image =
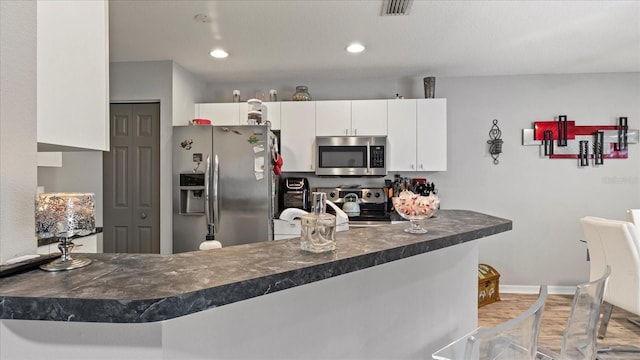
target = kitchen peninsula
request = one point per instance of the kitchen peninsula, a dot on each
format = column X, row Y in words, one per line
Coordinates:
column 383, row 293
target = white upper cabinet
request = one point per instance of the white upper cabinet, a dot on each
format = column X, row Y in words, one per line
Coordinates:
column 432, row 135
column 351, row 118
column 298, row 135
column 333, row 118
column 273, row 114
column 73, row 74
column 236, row 113
column 417, row 135
column 220, row 113
column 402, row 135
column 369, row 117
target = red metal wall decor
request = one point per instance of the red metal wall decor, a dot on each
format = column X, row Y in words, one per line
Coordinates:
column 563, row 139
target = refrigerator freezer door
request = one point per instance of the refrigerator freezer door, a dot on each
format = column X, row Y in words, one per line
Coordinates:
column 244, row 189
column 191, row 146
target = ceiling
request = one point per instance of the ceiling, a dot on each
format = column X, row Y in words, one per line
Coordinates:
column 305, row 39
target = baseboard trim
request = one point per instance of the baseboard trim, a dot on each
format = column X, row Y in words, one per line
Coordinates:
column 533, row 289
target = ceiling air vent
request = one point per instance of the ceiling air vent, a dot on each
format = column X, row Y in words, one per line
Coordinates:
column 396, row 7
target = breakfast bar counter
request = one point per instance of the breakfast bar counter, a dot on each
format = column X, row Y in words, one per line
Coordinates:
column 377, row 276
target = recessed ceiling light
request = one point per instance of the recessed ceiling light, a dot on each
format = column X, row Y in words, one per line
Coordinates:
column 355, row 48
column 219, row 54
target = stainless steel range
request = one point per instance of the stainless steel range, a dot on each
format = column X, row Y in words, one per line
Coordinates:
column 373, row 202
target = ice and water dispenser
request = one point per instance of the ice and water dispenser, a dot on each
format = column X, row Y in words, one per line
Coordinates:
column 192, row 196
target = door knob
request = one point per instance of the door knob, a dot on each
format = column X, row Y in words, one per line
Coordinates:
column 143, row 215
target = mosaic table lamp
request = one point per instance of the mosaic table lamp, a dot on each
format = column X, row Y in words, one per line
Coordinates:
column 65, row 215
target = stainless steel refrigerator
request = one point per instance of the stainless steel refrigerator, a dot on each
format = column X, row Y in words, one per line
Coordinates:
column 223, row 185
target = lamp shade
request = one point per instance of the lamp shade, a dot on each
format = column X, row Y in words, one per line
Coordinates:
column 65, row 214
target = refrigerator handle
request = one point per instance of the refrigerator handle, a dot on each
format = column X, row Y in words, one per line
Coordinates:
column 216, row 198
column 207, row 203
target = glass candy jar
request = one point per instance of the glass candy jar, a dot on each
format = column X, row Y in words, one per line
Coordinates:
column 318, row 229
column 301, row 94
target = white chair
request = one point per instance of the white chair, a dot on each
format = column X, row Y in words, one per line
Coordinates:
column 616, row 244
column 579, row 337
column 633, row 215
column 516, row 339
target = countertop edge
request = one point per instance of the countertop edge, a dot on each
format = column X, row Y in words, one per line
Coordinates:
column 169, row 307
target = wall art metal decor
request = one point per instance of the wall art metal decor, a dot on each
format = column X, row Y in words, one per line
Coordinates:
column 563, row 139
column 495, row 143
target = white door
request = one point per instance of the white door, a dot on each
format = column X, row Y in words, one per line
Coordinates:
column 432, row 135
column 298, row 135
column 273, row 114
column 369, row 117
column 333, row 118
column 220, row 113
column 401, row 136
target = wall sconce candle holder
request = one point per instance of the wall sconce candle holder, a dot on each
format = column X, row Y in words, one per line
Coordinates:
column 563, row 139
column 495, row 143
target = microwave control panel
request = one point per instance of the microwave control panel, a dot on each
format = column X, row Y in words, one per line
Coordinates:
column 377, row 157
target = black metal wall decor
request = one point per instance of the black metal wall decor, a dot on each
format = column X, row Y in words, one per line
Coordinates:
column 563, row 139
column 495, row 143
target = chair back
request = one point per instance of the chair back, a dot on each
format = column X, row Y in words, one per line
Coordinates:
column 516, row 339
column 617, row 244
column 579, row 340
column 633, row 215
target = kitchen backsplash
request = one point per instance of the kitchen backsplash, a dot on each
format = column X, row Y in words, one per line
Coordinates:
column 318, row 181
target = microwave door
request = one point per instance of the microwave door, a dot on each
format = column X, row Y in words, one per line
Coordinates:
column 342, row 160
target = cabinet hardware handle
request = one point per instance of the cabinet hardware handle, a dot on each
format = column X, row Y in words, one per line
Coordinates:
column 421, row 166
column 346, row 131
column 355, row 132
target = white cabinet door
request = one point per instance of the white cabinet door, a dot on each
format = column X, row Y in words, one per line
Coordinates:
column 369, row 117
column 220, row 113
column 432, row 135
column 73, row 74
column 273, row 114
column 333, row 118
column 401, row 137
column 297, row 135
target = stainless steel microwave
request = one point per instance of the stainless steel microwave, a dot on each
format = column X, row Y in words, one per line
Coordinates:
column 351, row 155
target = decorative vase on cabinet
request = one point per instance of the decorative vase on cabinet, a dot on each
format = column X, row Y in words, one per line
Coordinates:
column 301, row 94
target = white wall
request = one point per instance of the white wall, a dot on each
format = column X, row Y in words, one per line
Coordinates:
column 81, row 171
column 544, row 198
column 186, row 90
column 320, row 90
column 18, row 128
column 177, row 91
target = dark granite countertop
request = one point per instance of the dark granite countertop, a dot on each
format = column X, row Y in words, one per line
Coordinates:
column 135, row 288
